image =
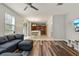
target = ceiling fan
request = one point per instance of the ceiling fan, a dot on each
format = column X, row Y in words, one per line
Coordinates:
column 30, row 5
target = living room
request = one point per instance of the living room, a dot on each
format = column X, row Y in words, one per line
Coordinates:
column 43, row 29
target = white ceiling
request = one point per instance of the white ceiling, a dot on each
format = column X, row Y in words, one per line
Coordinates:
column 45, row 11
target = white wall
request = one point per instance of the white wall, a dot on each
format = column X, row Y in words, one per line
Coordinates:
column 49, row 27
column 28, row 28
column 3, row 10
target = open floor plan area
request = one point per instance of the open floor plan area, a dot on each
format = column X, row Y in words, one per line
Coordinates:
column 39, row 29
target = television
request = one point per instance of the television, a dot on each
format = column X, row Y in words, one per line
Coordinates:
column 76, row 24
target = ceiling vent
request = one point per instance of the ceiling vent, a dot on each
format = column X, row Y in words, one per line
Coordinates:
column 59, row 4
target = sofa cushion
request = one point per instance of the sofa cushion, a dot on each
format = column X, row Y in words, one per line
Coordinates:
column 10, row 45
column 10, row 37
column 19, row 36
column 2, row 50
column 3, row 39
column 25, row 45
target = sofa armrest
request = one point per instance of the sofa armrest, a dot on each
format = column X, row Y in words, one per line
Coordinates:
column 25, row 45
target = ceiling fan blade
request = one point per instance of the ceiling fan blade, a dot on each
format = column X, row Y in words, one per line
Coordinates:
column 33, row 7
column 30, row 5
column 25, row 8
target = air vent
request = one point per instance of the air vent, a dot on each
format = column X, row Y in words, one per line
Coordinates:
column 59, row 4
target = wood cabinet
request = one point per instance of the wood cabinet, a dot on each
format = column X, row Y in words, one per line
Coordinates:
column 41, row 28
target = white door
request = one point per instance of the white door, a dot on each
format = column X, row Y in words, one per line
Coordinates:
column 59, row 26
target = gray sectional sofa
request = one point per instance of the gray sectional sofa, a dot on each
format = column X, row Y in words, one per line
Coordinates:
column 9, row 43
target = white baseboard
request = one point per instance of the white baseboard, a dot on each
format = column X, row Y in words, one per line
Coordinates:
column 59, row 39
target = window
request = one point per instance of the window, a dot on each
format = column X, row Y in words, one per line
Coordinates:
column 9, row 24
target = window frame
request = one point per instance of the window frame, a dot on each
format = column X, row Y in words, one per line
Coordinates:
column 9, row 31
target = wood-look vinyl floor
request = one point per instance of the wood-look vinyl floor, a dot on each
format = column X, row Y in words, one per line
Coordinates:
column 52, row 48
